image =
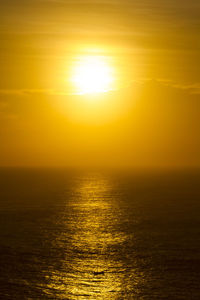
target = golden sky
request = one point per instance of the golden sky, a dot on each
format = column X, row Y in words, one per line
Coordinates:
column 150, row 118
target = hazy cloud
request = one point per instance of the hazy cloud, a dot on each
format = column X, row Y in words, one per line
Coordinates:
column 190, row 88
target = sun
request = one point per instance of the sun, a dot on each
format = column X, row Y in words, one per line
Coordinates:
column 92, row 74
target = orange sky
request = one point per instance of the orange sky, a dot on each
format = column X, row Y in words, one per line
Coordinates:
column 152, row 119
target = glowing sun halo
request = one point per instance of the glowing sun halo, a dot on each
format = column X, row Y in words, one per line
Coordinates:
column 92, row 74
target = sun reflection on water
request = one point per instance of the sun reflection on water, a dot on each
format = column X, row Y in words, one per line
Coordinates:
column 92, row 264
column 91, row 267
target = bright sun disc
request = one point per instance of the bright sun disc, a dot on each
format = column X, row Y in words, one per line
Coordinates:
column 92, row 74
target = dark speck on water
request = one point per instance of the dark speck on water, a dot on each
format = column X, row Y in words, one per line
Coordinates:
column 70, row 235
column 99, row 273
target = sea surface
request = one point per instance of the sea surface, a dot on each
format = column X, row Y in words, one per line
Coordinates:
column 99, row 235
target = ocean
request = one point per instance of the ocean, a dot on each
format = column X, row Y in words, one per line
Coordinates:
column 99, row 235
